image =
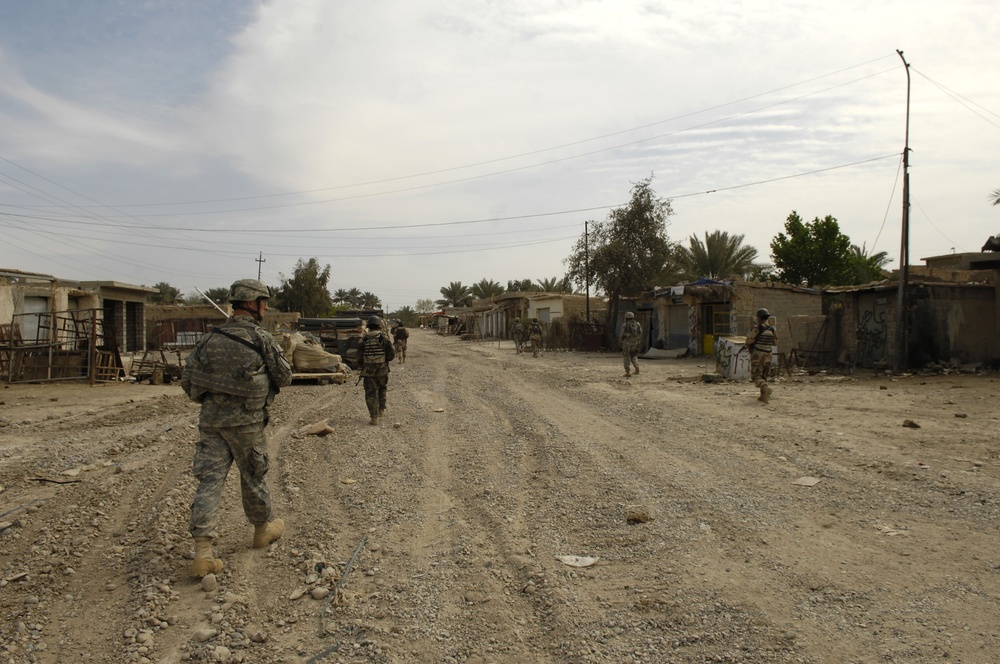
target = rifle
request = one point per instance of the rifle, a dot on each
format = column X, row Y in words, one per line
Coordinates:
column 210, row 301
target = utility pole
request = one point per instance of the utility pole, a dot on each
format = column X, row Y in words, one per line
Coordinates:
column 260, row 263
column 586, row 267
column 902, row 322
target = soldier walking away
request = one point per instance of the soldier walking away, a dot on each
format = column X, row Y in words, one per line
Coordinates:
column 760, row 341
column 234, row 372
column 629, row 340
column 374, row 355
column 535, row 336
column 517, row 333
column 400, row 335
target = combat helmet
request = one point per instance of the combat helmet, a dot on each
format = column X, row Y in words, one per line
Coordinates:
column 629, row 315
column 374, row 322
column 763, row 313
column 248, row 290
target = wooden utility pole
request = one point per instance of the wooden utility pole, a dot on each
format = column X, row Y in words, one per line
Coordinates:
column 586, row 267
column 902, row 319
column 260, row 263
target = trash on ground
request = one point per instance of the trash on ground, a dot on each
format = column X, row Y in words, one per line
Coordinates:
column 806, row 481
column 578, row 561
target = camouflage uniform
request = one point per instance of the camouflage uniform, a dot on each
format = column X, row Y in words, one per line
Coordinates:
column 630, row 339
column 235, row 382
column 760, row 341
column 374, row 355
column 535, row 337
column 400, row 335
column 517, row 333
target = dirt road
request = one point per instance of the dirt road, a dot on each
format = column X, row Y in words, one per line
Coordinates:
column 436, row 534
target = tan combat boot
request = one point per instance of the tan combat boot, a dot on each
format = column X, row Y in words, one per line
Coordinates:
column 204, row 561
column 637, row 370
column 374, row 422
column 765, row 393
column 266, row 533
column 381, row 412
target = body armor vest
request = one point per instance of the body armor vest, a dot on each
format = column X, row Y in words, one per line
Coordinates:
column 373, row 350
column 224, row 365
column 765, row 338
column 631, row 331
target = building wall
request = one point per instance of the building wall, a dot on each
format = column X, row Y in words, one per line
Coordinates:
column 782, row 302
column 686, row 325
column 953, row 323
column 6, row 302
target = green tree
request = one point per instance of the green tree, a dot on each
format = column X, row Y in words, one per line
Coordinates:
column 425, row 306
column 555, row 285
column 720, row 256
column 354, row 297
column 219, row 295
column 455, row 295
column 627, row 251
column 762, row 272
column 521, row 286
column 485, row 289
column 815, row 253
column 167, row 294
column 340, row 296
column 306, row 291
column 370, row 301
column 407, row 315
column 868, row 267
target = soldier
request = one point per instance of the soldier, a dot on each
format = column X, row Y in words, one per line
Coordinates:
column 535, row 336
column 517, row 332
column 234, row 372
column 374, row 355
column 400, row 334
column 629, row 340
column 760, row 341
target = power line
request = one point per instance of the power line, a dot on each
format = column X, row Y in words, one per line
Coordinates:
column 541, row 150
column 967, row 103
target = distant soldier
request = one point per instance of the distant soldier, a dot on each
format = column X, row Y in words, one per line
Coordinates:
column 761, row 339
column 629, row 340
column 234, row 372
column 399, row 335
column 374, row 355
column 535, row 336
column 517, row 333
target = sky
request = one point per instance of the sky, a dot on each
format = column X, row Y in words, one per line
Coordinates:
column 409, row 144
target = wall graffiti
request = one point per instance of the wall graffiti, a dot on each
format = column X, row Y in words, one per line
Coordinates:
column 694, row 336
column 872, row 335
column 732, row 360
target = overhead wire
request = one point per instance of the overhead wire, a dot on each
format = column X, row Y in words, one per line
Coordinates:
column 530, row 153
column 114, row 220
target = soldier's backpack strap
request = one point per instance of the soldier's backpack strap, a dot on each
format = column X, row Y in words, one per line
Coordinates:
column 245, row 342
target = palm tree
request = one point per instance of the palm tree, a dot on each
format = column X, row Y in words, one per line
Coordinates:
column 486, row 288
column 340, row 296
column 354, row 297
column 167, row 294
column 406, row 314
column 868, row 267
column 370, row 301
column 554, row 285
column 455, row 295
column 720, row 256
column 995, row 197
column 521, row 286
